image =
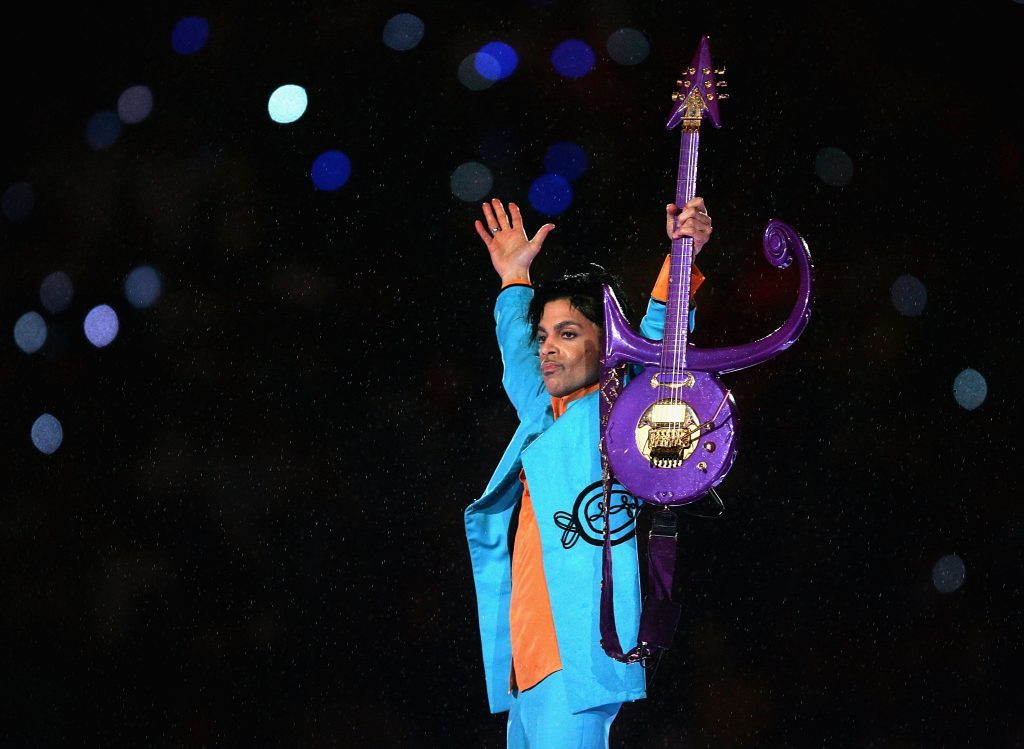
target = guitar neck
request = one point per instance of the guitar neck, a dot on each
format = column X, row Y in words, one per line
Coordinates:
column 677, row 315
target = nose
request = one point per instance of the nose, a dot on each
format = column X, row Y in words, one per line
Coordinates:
column 548, row 347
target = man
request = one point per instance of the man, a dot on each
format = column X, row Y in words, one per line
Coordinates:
column 536, row 559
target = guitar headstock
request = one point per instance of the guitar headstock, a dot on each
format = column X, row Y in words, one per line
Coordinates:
column 698, row 92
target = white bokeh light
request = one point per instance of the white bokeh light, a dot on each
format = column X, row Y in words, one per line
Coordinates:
column 287, row 103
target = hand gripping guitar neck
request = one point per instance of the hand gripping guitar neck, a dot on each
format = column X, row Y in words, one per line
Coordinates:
column 669, row 435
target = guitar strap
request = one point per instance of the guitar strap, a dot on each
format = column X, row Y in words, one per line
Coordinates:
column 659, row 616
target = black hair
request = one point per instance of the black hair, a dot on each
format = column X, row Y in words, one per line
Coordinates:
column 584, row 292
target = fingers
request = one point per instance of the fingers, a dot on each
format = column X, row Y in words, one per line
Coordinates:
column 517, row 216
column 484, row 234
column 690, row 221
column 489, row 217
column 499, row 212
column 542, row 234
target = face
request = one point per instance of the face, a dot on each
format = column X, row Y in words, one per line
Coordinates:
column 570, row 348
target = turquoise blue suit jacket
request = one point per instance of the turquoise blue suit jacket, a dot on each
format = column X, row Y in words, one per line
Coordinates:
column 563, row 466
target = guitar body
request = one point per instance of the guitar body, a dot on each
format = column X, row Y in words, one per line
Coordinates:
column 671, row 443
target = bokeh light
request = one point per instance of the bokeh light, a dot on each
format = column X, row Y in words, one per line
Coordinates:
column 18, row 201
column 550, row 194
column 142, row 287
column 908, row 295
column 628, row 46
column 469, row 71
column 101, row 325
column 502, row 54
column 47, row 434
column 103, row 130
column 190, row 35
column 948, row 573
column 287, row 103
column 471, row 181
column 56, row 291
column 331, row 170
column 566, row 159
column 403, row 32
column 134, row 104
column 573, row 58
column 30, row 332
column 833, row 167
column 970, row 389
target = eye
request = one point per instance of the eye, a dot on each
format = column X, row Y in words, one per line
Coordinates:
column 569, row 335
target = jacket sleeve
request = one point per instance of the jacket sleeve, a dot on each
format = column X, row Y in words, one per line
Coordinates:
column 653, row 324
column 520, row 369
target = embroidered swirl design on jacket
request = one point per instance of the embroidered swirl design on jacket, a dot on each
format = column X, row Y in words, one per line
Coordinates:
column 586, row 520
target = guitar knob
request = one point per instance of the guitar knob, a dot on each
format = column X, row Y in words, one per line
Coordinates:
column 709, row 446
column 702, row 466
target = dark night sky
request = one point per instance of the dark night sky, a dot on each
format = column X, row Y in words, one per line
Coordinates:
column 251, row 533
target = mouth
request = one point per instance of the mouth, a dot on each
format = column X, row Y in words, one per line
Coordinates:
column 548, row 367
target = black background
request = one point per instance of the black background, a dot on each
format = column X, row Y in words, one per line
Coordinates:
column 252, row 532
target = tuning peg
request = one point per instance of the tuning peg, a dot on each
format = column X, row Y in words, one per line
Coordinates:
column 679, row 83
column 675, row 96
column 720, row 71
column 723, row 96
column 721, row 84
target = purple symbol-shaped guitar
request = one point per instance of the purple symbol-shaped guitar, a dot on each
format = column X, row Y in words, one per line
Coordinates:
column 669, row 435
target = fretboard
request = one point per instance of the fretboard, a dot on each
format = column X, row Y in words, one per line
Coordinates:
column 677, row 315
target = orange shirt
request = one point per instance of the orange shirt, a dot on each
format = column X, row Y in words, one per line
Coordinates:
column 534, row 645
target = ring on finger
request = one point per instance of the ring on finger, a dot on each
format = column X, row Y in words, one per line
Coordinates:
column 494, row 229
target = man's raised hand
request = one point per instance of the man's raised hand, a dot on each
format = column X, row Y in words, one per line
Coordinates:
column 512, row 252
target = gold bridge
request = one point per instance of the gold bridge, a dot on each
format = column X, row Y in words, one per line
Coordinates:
column 668, row 432
column 687, row 381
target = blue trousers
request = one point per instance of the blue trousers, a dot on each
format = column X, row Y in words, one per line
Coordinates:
column 540, row 718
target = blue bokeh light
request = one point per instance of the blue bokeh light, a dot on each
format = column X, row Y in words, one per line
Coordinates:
column 30, row 332
column 47, row 434
column 550, row 194
column 496, row 53
column 101, row 325
column 403, row 32
column 566, row 159
column 190, row 35
column 287, row 103
column 573, row 58
column 331, row 170
column 908, row 295
column 948, row 573
column 142, row 287
column 18, row 201
column 103, row 130
column 56, row 291
column 970, row 389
